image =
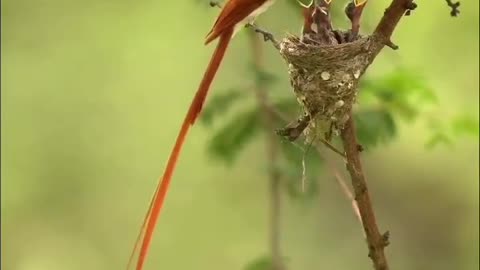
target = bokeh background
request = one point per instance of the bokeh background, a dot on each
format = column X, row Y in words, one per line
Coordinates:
column 93, row 93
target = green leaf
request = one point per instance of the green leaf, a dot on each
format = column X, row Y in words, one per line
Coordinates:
column 219, row 104
column 446, row 131
column 437, row 139
column 403, row 92
column 465, row 125
column 374, row 126
column 262, row 77
column 262, row 263
column 288, row 106
column 235, row 135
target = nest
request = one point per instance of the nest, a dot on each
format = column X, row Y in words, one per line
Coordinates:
column 325, row 77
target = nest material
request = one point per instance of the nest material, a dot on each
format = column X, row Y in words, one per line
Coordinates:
column 325, row 77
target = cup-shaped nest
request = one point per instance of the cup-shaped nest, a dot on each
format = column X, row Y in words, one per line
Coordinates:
column 325, row 77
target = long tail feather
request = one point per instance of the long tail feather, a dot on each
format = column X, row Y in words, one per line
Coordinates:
column 156, row 204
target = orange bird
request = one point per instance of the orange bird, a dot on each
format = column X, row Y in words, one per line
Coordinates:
column 234, row 16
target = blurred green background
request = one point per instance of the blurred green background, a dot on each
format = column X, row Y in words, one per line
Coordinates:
column 93, row 93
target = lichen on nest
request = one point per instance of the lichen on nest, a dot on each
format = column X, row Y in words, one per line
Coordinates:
column 325, row 77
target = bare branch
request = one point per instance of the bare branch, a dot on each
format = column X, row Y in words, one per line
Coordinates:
column 376, row 241
column 391, row 17
column 267, row 36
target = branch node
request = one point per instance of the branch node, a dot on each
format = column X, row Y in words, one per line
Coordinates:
column 391, row 45
column 293, row 130
column 360, row 148
column 410, row 6
column 215, row 4
column 267, row 36
column 454, row 6
column 386, row 238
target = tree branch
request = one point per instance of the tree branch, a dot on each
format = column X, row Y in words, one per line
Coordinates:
column 325, row 77
column 376, row 241
column 390, row 19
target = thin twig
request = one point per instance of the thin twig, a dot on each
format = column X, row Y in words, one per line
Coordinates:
column 341, row 182
column 343, row 186
column 267, row 36
column 295, row 129
column 331, row 147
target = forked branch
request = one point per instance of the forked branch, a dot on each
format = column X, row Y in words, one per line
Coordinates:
column 455, row 8
column 325, row 75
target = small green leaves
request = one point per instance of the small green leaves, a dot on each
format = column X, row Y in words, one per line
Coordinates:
column 220, row 104
column 374, row 126
column 229, row 140
column 445, row 132
column 438, row 138
column 262, row 77
column 288, row 106
column 465, row 125
column 403, row 92
column 262, row 263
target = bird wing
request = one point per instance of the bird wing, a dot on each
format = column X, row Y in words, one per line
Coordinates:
column 232, row 13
